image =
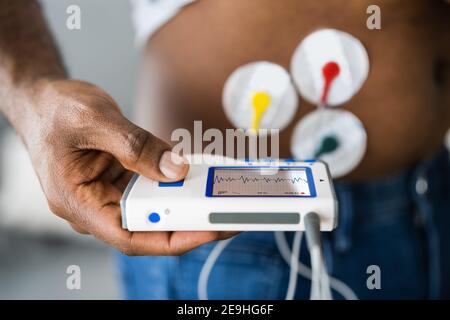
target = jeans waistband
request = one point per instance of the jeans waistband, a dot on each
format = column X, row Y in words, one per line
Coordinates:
column 388, row 197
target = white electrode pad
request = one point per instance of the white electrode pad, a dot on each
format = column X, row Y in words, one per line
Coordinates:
column 334, row 136
column 260, row 95
column 313, row 54
column 240, row 196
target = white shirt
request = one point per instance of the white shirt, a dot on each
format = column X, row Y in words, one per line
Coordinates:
column 149, row 15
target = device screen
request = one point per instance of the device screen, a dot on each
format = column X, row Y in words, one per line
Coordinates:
column 260, row 182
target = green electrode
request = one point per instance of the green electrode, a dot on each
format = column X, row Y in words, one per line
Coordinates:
column 329, row 144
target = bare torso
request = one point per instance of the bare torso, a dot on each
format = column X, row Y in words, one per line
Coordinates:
column 404, row 105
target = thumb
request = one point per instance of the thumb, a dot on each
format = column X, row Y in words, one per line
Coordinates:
column 139, row 151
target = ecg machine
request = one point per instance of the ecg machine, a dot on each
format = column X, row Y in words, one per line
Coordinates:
column 250, row 196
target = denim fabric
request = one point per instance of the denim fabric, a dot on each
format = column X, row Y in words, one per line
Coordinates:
column 400, row 223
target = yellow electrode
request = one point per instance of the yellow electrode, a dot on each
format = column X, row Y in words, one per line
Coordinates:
column 260, row 103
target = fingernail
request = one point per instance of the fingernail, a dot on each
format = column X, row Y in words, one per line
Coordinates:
column 171, row 165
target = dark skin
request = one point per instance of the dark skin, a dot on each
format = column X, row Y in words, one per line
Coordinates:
column 404, row 104
column 82, row 148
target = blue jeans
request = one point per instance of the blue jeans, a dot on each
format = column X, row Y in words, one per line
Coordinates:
column 400, row 224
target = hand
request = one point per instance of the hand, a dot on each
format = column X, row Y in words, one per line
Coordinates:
column 85, row 151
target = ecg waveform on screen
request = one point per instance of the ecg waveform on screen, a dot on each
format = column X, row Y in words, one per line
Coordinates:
column 253, row 182
column 245, row 179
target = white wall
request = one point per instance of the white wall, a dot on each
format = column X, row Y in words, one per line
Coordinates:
column 103, row 51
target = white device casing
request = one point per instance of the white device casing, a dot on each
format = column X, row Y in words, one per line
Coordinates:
column 188, row 208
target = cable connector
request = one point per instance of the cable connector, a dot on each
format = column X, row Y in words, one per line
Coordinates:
column 320, row 282
column 312, row 229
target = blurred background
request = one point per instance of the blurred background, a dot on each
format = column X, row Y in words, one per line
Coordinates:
column 36, row 247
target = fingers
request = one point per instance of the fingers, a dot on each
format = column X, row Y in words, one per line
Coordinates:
column 101, row 217
column 223, row 235
column 173, row 243
column 181, row 242
column 138, row 150
column 107, row 227
column 168, row 243
column 78, row 229
column 122, row 181
column 113, row 172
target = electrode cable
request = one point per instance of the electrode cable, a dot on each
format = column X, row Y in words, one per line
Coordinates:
column 321, row 281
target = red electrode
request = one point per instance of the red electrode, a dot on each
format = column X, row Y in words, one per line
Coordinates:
column 329, row 71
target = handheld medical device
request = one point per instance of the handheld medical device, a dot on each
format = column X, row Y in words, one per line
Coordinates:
column 245, row 196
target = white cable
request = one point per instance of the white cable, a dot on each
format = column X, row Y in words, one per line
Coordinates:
column 320, row 286
column 304, row 271
column 296, row 247
column 325, row 282
column 285, row 252
column 288, row 257
column 316, row 274
column 202, row 288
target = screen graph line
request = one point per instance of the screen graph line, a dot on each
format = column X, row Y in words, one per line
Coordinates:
column 255, row 182
column 245, row 179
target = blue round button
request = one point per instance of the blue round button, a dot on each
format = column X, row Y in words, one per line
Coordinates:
column 154, row 217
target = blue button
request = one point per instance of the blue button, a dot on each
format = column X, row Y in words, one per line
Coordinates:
column 154, row 217
column 172, row 184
